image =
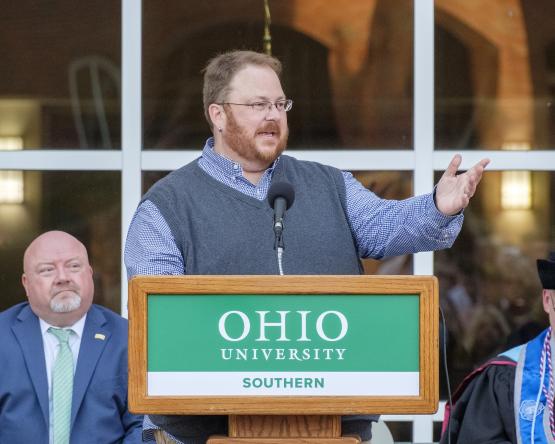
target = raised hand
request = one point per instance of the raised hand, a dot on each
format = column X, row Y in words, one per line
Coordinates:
column 453, row 192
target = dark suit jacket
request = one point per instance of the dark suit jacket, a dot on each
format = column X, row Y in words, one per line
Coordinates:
column 99, row 408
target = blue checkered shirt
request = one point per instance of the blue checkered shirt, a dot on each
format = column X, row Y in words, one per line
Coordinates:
column 380, row 227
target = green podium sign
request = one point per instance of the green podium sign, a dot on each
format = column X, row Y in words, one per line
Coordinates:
column 208, row 341
column 296, row 345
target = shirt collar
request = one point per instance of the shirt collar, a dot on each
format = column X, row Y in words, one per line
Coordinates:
column 226, row 166
column 77, row 328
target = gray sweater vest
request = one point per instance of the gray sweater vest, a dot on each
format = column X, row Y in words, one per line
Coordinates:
column 220, row 230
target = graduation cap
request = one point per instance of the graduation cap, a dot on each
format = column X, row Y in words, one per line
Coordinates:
column 546, row 270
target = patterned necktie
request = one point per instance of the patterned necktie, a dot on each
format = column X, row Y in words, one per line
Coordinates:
column 62, row 387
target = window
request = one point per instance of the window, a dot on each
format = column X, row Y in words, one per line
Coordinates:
column 103, row 96
column 86, row 205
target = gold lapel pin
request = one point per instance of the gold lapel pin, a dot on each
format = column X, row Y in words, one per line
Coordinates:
column 99, row 336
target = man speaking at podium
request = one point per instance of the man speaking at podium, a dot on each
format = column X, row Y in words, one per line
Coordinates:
column 211, row 216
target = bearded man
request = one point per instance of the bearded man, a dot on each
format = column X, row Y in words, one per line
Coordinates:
column 210, row 216
column 63, row 372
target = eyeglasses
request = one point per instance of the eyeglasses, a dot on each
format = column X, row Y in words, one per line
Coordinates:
column 265, row 106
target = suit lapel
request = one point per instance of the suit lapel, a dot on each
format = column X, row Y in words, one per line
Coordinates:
column 27, row 332
column 95, row 337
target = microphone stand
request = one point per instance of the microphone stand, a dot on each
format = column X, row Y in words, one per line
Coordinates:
column 279, row 245
column 281, row 196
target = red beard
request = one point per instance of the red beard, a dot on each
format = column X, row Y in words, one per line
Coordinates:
column 240, row 142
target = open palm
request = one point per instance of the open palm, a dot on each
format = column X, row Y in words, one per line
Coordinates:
column 454, row 191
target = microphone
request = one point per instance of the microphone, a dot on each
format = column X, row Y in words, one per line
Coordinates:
column 281, row 196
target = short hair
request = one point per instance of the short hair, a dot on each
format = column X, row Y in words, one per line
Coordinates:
column 221, row 69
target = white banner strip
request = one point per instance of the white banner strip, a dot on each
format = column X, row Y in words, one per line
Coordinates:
column 283, row 383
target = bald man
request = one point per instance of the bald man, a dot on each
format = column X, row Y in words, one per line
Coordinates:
column 59, row 331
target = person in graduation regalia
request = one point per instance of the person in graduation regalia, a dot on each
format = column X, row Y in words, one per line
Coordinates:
column 510, row 398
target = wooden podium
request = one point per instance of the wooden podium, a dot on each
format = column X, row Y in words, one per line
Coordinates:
column 283, row 356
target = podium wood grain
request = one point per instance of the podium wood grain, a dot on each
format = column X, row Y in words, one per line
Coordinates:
column 286, row 429
column 276, row 426
column 224, row 440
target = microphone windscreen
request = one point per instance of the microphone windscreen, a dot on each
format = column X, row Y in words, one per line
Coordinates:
column 281, row 189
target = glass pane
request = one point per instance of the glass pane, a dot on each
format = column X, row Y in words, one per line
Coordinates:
column 495, row 74
column 347, row 66
column 151, row 177
column 386, row 184
column 489, row 287
column 86, row 205
column 60, row 73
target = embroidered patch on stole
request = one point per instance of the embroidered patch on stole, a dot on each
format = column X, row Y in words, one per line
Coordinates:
column 527, row 407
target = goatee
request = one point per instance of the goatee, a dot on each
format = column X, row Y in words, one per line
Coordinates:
column 67, row 304
column 238, row 140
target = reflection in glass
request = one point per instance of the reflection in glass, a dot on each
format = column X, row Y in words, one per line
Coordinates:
column 11, row 182
column 494, row 74
column 85, row 204
column 60, row 73
column 489, row 287
column 347, row 66
column 516, row 190
column 151, row 177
